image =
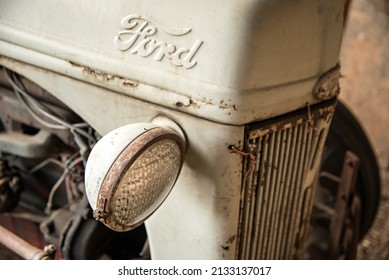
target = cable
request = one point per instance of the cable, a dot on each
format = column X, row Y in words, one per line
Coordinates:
column 44, row 163
column 59, row 182
column 34, row 106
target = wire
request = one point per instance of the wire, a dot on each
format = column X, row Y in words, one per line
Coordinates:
column 54, row 189
column 69, row 164
column 36, row 218
column 34, row 106
column 56, row 186
column 44, row 163
column 36, row 117
column 47, row 118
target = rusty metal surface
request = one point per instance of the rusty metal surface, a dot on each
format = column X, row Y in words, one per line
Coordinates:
column 328, row 85
column 10, row 188
column 24, row 249
column 344, row 225
column 281, row 162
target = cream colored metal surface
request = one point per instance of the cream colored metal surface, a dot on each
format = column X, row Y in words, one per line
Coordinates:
column 201, row 213
column 232, row 62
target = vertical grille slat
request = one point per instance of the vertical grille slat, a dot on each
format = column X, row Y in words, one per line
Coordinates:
column 284, row 217
column 280, row 182
column 256, row 221
column 298, row 188
column 266, row 202
column 261, row 198
column 275, row 192
column 277, row 195
column 283, row 185
column 247, row 194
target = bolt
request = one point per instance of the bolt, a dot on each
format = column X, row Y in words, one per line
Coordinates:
column 50, row 250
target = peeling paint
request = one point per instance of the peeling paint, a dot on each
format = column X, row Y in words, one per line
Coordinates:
column 227, row 244
column 224, row 247
column 223, row 105
column 191, row 102
column 103, row 77
column 231, row 239
column 207, row 101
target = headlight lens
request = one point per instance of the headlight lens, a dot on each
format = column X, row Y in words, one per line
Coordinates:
column 147, row 182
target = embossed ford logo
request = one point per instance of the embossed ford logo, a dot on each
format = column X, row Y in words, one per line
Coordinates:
column 140, row 37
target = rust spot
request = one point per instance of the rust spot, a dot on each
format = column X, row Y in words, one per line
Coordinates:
column 234, row 106
column 191, row 102
column 75, row 64
column 207, row 101
column 101, row 76
column 223, row 106
column 231, row 239
column 225, row 247
column 128, row 83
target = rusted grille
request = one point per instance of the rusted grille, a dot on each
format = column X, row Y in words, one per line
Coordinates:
column 278, row 183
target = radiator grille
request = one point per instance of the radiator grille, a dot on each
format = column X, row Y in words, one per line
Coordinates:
column 277, row 188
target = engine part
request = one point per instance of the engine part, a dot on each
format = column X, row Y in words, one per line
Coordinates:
column 47, row 145
column 10, row 188
column 28, row 146
column 24, row 249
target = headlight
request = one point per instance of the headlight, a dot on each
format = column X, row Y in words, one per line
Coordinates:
column 131, row 171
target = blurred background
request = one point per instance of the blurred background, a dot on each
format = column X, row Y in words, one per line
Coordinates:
column 365, row 89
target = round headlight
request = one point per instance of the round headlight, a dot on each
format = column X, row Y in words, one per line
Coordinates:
column 131, row 171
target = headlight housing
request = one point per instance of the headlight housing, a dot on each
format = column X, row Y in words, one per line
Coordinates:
column 131, row 171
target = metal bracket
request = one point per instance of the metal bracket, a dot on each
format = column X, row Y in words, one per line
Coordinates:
column 328, row 85
column 28, row 146
column 344, row 224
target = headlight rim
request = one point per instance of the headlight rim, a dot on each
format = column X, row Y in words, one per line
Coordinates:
column 122, row 164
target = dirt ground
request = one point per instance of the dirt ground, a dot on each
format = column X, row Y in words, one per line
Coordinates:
column 365, row 88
